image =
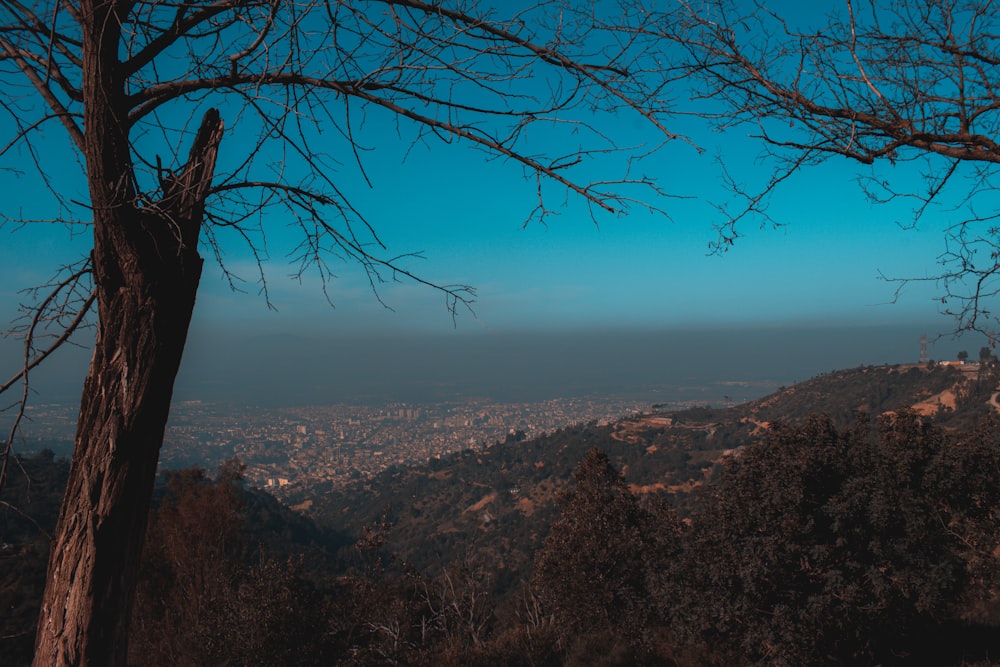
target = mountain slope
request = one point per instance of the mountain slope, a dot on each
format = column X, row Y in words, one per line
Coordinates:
column 495, row 504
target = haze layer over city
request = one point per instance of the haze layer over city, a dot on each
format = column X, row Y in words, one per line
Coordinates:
column 641, row 303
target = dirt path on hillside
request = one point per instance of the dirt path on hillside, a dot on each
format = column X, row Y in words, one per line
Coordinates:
column 930, row 406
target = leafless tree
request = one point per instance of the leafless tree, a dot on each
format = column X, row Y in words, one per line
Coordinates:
column 148, row 93
column 457, row 606
column 879, row 82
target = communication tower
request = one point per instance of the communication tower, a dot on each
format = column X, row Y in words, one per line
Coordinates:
column 923, row 350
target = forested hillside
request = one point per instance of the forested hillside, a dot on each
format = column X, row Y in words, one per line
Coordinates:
column 497, row 502
column 763, row 533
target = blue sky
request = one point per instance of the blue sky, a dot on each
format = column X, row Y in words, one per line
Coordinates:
column 638, row 271
column 642, row 270
column 465, row 215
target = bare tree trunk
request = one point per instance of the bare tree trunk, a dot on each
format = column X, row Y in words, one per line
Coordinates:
column 146, row 270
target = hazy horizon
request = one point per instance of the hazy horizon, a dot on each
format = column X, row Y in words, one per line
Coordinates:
column 301, row 368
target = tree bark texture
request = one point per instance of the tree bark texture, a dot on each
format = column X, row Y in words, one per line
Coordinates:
column 146, row 270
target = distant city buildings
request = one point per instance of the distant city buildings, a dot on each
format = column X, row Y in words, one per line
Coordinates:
column 287, row 448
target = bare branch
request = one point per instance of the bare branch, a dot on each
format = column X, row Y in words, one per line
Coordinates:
column 56, row 299
column 291, row 79
column 315, row 229
column 183, row 23
column 57, row 107
column 38, row 358
column 878, row 82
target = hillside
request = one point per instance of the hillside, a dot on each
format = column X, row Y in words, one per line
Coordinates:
column 425, row 564
column 29, row 509
column 495, row 504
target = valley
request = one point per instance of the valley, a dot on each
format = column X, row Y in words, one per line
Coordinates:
column 382, row 549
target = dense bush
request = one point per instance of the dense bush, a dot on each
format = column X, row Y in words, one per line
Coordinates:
column 597, row 568
column 208, row 595
column 821, row 546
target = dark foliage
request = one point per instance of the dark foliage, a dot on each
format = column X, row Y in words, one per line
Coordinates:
column 809, row 543
column 596, row 569
column 843, row 394
column 499, row 501
column 28, row 513
column 821, row 546
column 208, row 595
column 494, row 503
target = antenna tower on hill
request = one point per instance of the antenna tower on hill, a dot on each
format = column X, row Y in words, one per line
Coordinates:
column 923, row 350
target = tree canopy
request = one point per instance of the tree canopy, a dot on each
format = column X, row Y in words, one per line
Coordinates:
column 596, row 569
column 827, row 546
